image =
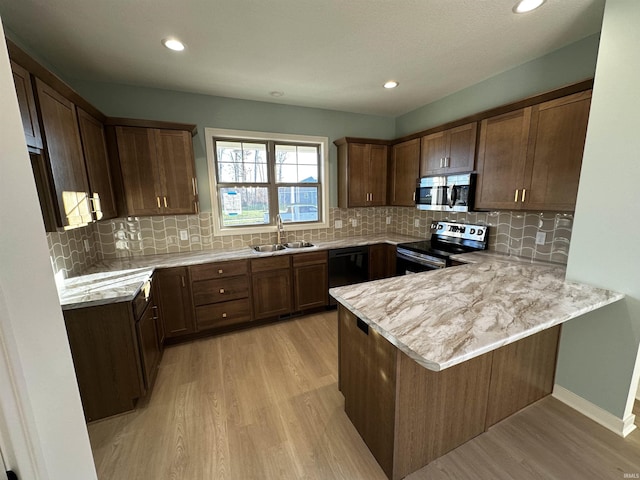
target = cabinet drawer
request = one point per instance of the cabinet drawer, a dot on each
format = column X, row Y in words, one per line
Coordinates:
column 209, row 271
column 220, row 290
column 310, row 258
column 271, row 263
column 223, row 314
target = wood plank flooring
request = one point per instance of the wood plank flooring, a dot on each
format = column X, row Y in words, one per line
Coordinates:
column 264, row 404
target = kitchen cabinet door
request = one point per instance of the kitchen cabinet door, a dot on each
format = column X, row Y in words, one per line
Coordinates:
column 502, row 156
column 148, row 345
column 174, row 301
column 433, row 152
column 403, row 168
column 96, row 159
column 362, row 174
column 64, row 152
column 310, row 280
column 271, row 287
column 140, row 170
column 175, row 158
column 27, row 104
column 554, row 156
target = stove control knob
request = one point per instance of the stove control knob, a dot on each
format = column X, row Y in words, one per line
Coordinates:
column 472, row 231
column 479, row 231
column 440, row 226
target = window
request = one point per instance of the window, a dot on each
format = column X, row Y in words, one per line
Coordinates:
column 256, row 176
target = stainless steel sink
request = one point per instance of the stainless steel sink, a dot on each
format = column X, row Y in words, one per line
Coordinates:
column 299, row 245
column 272, row 247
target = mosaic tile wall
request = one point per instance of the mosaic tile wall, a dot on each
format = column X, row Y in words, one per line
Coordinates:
column 67, row 250
column 512, row 233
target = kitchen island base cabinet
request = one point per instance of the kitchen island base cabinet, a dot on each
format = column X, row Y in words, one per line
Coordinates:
column 408, row 415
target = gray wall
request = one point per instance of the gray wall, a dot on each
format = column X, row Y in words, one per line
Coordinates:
column 598, row 351
column 220, row 112
column 567, row 65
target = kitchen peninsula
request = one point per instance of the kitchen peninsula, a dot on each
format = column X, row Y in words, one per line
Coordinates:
column 431, row 360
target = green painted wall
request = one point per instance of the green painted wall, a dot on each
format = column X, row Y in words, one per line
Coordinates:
column 598, row 352
column 221, row 112
column 567, row 65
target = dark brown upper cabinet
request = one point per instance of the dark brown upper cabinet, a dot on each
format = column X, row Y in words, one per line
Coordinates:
column 158, row 172
column 403, row 173
column 449, row 151
column 27, row 104
column 96, row 159
column 63, row 149
column 362, row 174
column 530, row 159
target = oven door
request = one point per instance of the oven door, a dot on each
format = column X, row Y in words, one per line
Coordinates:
column 411, row 262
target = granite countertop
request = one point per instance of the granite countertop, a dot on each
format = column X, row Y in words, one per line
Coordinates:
column 444, row 317
column 119, row 280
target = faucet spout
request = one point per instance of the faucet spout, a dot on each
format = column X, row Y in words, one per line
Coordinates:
column 280, row 228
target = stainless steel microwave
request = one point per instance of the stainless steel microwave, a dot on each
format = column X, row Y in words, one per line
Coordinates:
column 448, row 193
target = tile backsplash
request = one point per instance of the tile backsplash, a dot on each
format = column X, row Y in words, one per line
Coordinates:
column 512, row 233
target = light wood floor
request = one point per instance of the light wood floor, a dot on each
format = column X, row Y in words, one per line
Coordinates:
column 264, row 404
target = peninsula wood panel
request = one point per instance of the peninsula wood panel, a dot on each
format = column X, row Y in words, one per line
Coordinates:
column 437, row 411
column 367, row 364
column 403, row 173
column 522, row 373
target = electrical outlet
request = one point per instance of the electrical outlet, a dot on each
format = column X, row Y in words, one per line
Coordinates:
column 87, row 247
column 416, row 222
column 541, row 237
column 338, row 224
column 184, row 235
column 354, row 222
column 388, row 220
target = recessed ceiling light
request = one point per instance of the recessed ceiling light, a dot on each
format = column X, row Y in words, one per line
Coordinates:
column 524, row 6
column 173, row 44
column 391, row 84
column 276, row 93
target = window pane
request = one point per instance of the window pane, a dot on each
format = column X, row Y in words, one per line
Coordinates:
column 244, row 206
column 296, row 164
column 298, row 204
column 241, row 162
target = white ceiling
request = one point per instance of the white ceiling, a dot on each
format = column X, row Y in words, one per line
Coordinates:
column 333, row 54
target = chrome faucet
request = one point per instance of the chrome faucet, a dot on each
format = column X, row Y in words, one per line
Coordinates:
column 280, row 228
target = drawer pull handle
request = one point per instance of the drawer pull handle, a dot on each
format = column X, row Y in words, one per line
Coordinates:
column 222, row 290
column 524, row 192
column 165, row 202
column 220, row 271
column 515, row 199
column 158, row 199
column 224, row 315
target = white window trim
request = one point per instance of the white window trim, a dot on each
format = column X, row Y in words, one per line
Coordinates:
column 323, row 142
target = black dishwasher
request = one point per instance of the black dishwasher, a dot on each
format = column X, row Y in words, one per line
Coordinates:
column 348, row 266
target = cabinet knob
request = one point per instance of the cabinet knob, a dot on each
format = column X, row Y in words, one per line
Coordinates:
column 224, row 315
column 222, row 290
column 220, row 271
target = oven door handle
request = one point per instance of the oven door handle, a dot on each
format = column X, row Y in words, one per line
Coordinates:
column 421, row 261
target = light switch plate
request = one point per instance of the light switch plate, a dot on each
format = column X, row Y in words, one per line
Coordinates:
column 416, row 222
column 87, row 247
column 184, row 235
column 388, row 220
column 354, row 222
column 338, row 224
column 541, row 237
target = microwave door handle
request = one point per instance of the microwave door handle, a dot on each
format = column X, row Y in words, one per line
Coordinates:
column 454, row 196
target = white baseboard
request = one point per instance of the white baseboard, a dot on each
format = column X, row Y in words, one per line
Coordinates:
column 621, row 426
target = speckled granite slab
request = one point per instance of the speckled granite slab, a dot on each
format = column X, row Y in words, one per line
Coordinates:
column 445, row 317
column 120, row 280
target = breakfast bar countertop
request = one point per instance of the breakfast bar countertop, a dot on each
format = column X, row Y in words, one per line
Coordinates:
column 444, row 317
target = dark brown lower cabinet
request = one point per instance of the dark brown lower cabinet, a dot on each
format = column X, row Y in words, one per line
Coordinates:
column 150, row 350
column 106, row 356
column 271, row 286
column 173, row 295
column 382, row 261
column 408, row 415
column 310, row 280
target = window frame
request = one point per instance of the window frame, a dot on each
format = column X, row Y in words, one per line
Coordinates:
column 213, row 134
